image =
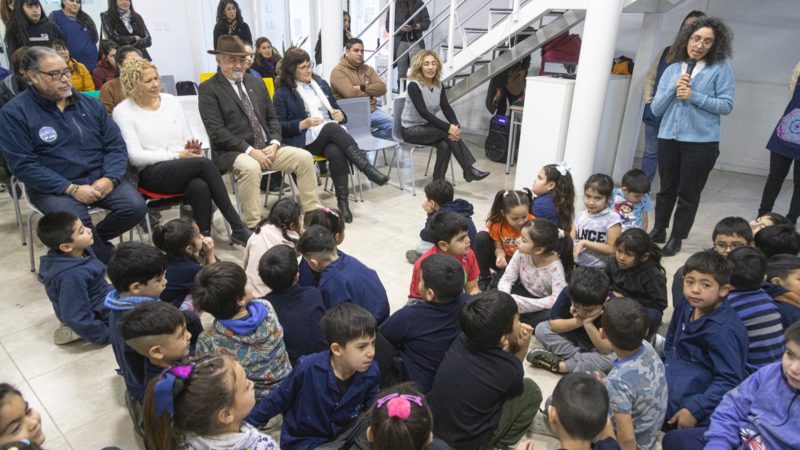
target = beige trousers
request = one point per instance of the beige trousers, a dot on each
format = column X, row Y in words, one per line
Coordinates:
column 288, row 159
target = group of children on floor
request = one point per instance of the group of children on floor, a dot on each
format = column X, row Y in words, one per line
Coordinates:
column 302, row 337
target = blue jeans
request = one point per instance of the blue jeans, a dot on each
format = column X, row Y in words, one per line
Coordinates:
column 382, row 124
column 650, row 156
column 125, row 206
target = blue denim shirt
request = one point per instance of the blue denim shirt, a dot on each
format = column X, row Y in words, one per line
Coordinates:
column 695, row 119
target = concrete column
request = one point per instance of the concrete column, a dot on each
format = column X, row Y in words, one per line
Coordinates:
column 594, row 69
column 332, row 27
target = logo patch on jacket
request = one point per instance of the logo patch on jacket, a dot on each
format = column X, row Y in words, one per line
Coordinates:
column 48, row 134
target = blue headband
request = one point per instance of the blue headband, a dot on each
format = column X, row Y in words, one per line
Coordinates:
column 165, row 391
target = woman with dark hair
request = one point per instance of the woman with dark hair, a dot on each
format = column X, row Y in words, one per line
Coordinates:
column 310, row 119
column 346, row 36
column 651, row 122
column 15, row 83
column 230, row 21
column 79, row 30
column 6, row 9
column 106, row 69
column 267, row 58
column 29, row 26
column 693, row 93
column 123, row 25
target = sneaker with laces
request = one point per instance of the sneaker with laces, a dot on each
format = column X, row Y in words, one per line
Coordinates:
column 542, row 359
column 64, row 335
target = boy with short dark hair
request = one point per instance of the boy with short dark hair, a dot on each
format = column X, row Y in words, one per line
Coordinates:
column 342, row 278
column 783, row 285
column 632, row 200
column 577, row 414
column 480, row 398
column 571, row 338
column 423, row 331
column 729, row 234
column 778, row 239
column 299, row 308
column 157, row 331
column 757, row 310
column 244, row 326
column 326, row 392
column 706, row 345
column 637, row 385
column 439, row 198
column 74, row 279
column 449, row 230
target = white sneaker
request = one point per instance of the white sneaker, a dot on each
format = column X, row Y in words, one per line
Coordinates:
column 64, row 335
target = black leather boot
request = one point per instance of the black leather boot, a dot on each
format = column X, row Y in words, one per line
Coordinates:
column 473, row 174
column 672, row 247
column 359, row 159
column 343, row 197
column 239, row 231
column 658, row 235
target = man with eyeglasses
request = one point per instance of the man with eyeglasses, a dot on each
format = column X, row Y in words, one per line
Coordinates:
column 352, row 78
column 245, row 133
column 67, row 151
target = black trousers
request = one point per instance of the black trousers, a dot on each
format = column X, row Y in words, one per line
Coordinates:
column 484, row 253
column 683, row 168
column 331, row 143
column 430, row 135
column 778, row 169
column 200, row 181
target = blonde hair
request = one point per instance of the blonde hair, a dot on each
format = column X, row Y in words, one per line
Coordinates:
column 130, row 77
column 415, row 71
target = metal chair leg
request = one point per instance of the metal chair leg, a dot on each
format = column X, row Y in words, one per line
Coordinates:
column 235, row 190
column 427, row 167
column 30, row 240
column 413, row 176
column 147, row 222
column 396, row 160
column 17, row 211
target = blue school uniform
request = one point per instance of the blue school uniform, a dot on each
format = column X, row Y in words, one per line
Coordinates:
column 349, row 280
column 181, row 272
column 545, row 208
column 300, row 310
column 458, row 206
column 314, row 411
column 423, row 332
column 704, row 358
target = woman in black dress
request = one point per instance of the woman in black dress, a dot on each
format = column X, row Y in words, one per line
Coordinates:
column 123, row 25
column 229, row 21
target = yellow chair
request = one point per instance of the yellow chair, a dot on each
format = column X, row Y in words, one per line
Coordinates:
column 270, row 84
column 205, row 76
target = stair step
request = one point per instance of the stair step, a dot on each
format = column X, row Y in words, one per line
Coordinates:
column 475, row 30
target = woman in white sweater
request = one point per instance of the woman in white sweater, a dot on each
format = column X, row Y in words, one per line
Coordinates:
column 165, row 154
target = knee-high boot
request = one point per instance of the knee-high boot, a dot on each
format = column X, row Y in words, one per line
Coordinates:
column 340, row 186
column 359, row 159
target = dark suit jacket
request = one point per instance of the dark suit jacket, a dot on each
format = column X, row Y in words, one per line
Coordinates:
column 291, row 111
column 226, row 122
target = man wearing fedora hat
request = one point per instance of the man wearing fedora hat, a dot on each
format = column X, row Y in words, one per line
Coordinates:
column 245, row 133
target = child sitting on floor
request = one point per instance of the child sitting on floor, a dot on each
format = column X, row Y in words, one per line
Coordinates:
column 402, row 420
column 281, row 227
column 554, row 194
column 202, row 405
column 326, row 392
column 778, row 239
column 19, row 421
column 597, row 227
column 783, row 285
column 538, row 272
column 74, row 279
column 706, row 345
column 331, row 221
column 300, row 308
column 494, row 405
column 342, row 278
column 632, row 200
column 450, row 232
column 187, row 252
column 571, row 338
column 767, row 220
column 422, row 331
column 439, row 198
column 245, row 327
column 637, row 386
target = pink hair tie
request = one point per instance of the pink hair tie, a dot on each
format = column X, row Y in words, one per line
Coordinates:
column 399, row 407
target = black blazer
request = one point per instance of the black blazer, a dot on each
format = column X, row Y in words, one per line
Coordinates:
column 226, row 122
column 291, row 111
column 242, row 30
column 115, row 30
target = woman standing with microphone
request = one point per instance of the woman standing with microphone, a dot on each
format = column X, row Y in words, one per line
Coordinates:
column 692, row 95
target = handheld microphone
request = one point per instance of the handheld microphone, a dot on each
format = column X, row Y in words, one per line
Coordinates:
column 690, row 66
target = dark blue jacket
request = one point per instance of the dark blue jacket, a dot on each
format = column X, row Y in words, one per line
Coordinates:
column 314, row 412
column 543, row 207
column 300, row 310
column 77, row 287
column 180, row 279
column 291, row 111
column 82, row 43
column 458, row 206
column 704, row 359
column 48, row 149
column 423, row 332
column 349, row 280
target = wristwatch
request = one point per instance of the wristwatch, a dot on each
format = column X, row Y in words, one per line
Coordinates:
column 114, row 181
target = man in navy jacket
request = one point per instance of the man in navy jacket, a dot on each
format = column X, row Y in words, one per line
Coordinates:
column 68, row 151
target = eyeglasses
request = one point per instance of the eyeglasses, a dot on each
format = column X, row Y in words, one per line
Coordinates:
column 723, row 247
column 696, row 40
column 58, row 75
column 307, row 66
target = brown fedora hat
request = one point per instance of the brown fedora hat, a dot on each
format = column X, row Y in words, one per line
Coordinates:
column 230, row 45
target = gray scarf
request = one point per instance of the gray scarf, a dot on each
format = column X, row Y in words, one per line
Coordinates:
column 126, row 20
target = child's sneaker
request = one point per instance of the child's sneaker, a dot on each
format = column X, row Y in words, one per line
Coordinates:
column 542, row 359
column 64, row 335
column 412, row 256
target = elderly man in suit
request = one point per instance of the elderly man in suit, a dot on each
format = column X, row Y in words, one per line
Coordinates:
column 245, row 133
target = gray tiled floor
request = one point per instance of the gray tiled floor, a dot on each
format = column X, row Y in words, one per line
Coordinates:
column 80, row 396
